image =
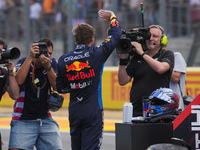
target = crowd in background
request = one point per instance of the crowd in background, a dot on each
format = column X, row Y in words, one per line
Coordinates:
column 49, row 17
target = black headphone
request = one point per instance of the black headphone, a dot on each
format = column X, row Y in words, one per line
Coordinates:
column 163, row 40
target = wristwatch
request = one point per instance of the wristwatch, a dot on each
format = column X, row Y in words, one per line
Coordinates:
column 11, row 74
column 143, row 54
column 48, row 69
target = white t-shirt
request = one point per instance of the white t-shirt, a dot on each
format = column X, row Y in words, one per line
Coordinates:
column 35, row 10
column 2, row 5
column 194, row 2
column 179, row 66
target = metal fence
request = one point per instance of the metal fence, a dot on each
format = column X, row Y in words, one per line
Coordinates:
column 18, row 27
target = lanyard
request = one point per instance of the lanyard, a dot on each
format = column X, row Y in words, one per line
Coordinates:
column 37, row 80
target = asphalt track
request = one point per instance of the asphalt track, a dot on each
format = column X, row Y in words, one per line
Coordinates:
column 108, row 138
column 109, row 124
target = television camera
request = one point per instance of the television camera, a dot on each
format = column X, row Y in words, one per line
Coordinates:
column 140, row 35
column 11, row 53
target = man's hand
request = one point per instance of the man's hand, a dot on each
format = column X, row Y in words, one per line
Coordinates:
column 137, row 47
column 34, row 50
column 122, row 56
column 9, row 66
column 45, row 61
column 176, row 76
column 105, row 14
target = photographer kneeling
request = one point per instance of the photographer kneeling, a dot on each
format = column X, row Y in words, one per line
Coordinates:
column 150, row 69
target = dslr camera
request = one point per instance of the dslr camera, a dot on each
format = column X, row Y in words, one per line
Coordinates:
column 43, row 49
column 55, row 101
column 11, row 53
column 139, row 35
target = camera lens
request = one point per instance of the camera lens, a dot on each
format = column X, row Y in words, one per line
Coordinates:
column 124, row 45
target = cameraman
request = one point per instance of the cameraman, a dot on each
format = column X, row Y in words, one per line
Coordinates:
column 7, row 78
column 36, row 76
column 150, row 70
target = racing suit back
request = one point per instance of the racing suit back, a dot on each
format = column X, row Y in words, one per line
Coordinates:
column 80, row 73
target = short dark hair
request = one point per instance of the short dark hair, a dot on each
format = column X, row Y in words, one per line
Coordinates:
column 4, row 43
column 46, row 40
column 83, row 33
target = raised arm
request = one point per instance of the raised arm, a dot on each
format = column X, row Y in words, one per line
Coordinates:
column 24, row 69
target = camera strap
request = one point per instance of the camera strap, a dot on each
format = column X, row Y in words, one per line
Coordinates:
column 37, row 80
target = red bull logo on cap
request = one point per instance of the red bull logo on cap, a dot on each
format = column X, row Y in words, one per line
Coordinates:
column 77, row 66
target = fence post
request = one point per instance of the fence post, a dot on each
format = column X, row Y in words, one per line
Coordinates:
column 69, row 34
column 27, row 27
column 162, row 14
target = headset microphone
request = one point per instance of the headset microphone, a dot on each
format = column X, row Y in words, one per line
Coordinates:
column 156, row 44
